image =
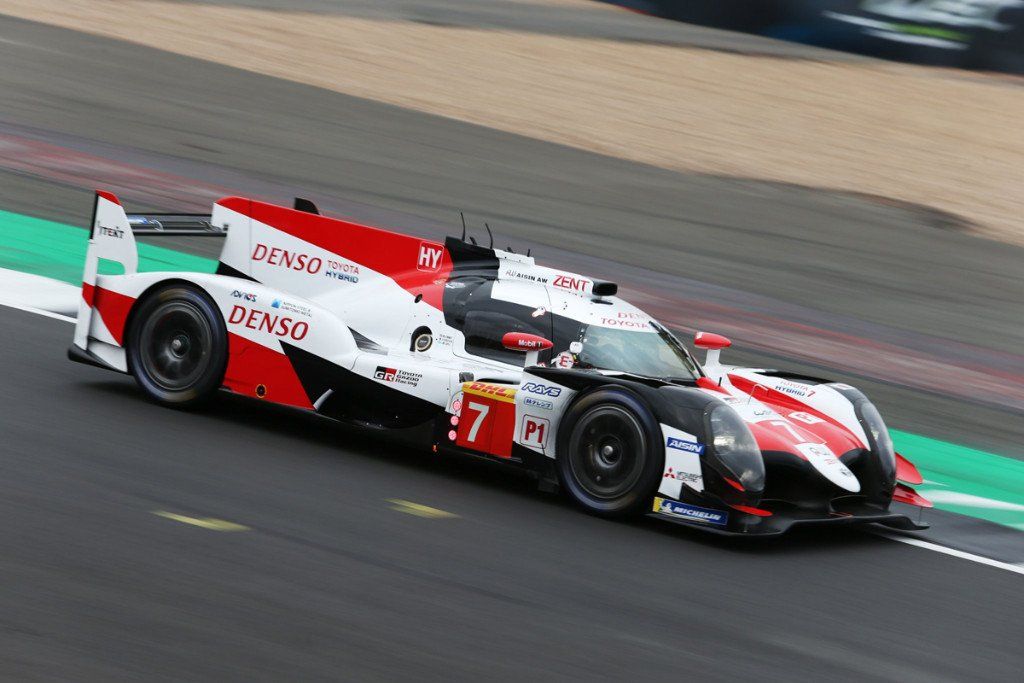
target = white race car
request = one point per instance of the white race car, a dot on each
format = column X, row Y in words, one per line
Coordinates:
column 481, row 351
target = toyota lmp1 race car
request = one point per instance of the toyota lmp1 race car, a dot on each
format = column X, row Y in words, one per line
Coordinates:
column 479, row 351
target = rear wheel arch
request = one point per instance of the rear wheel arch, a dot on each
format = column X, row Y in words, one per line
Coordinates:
column 199, row 300
column 148, row 292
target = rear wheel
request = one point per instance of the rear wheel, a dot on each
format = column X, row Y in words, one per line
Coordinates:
column 177, row 346
column 609, row 453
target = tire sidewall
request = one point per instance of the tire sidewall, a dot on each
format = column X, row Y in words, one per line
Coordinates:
column 639, row 496
column 212, row 379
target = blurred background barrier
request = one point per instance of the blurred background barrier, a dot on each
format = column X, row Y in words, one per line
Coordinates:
column 972, row 34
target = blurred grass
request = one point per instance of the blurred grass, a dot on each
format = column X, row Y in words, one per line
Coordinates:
column 55, row 250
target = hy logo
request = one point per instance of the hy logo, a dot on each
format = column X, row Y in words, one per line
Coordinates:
column 429, row 257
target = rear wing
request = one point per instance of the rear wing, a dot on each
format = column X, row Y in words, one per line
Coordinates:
column 174, row 224
column 112, row 238
column 187, row 224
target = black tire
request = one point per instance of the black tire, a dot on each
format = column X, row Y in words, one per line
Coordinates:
column 177, row 346
column 610, row 458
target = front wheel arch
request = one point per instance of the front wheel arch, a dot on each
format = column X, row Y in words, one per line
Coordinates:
column 602, row 408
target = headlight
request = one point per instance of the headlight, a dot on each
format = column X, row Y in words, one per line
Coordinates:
column 735, row 447
column 874, row 425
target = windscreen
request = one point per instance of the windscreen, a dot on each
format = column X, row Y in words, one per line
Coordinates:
column 654, row 354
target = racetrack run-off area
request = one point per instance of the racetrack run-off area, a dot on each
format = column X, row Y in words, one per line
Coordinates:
column 596, row 77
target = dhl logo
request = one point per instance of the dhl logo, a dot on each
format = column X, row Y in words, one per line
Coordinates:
column 499, row 392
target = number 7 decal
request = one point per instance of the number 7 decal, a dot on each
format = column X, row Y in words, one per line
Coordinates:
column 482, row 409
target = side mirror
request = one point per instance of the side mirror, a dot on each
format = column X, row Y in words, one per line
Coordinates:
column 714, row 343
column 532, row 344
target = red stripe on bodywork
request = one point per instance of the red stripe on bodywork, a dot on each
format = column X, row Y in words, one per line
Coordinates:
column 905, row 494
column 109, row 196
column 113, row 308
column 710, row 385
column 906, row 471
column 251, row 365
column 752, row 510
column 392, row 254
column 88, row 294
column 787, row 403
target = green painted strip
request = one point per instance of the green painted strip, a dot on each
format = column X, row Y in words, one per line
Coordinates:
column 960, row 479
column 56, row 250
column 966, row 480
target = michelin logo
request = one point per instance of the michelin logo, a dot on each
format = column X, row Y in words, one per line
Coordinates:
column 691, row 512
column 688, row 446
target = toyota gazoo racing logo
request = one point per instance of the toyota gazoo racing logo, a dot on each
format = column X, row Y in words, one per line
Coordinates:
column 684, row 445
column 542, row 389
column 277, row 325
column 396, row 376
column 289, row 260
column 386, row 374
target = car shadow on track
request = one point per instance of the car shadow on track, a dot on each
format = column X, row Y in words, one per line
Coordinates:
column 330, row 439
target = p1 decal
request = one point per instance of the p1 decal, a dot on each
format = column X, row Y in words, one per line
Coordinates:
column 535, row 431
column 671, row 508
column 429, row 257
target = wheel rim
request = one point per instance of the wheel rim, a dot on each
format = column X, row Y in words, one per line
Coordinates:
column 606, row 452
column 175, row 342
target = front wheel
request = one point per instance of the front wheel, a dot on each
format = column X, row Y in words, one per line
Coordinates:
column 609, row 453
column 177, row 346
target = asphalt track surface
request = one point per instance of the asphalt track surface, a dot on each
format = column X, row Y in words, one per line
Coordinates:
column 329, row 581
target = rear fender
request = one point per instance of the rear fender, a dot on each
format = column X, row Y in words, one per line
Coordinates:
column 262, row 322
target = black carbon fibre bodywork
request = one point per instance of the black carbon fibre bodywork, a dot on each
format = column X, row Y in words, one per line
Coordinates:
column 794, row 493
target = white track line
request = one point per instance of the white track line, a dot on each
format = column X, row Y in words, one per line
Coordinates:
column 38, row 311
column 916, row 542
